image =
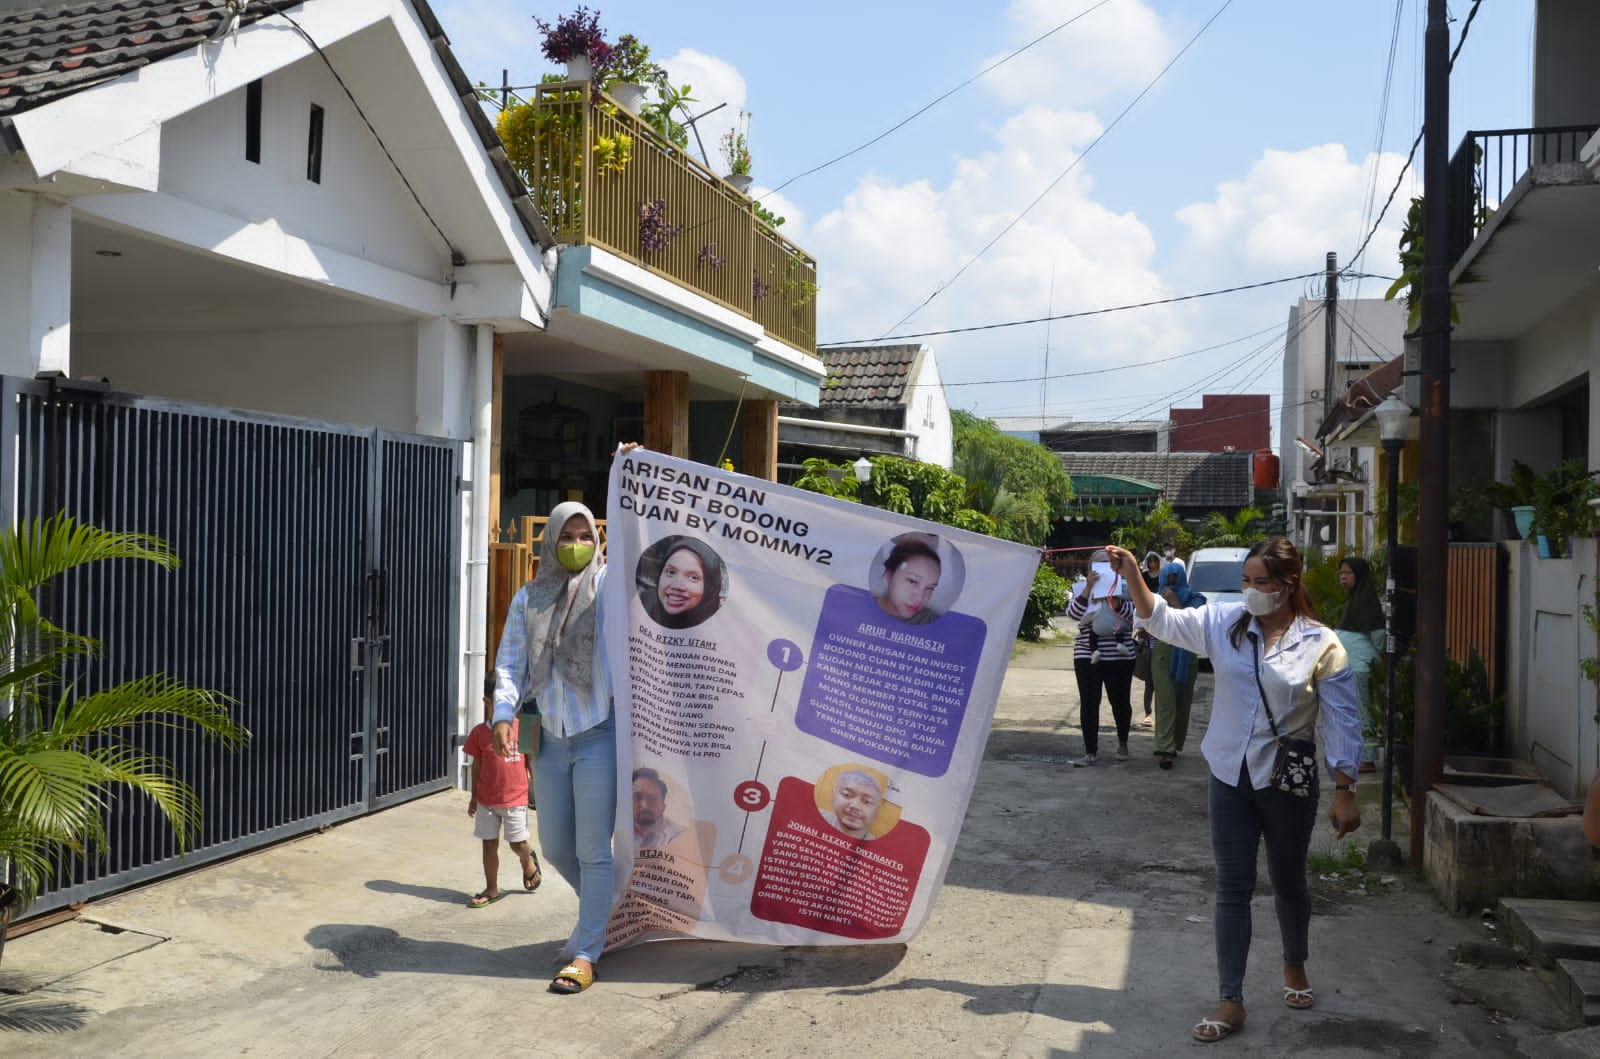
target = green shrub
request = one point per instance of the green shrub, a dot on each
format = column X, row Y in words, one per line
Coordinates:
column 1045, row 600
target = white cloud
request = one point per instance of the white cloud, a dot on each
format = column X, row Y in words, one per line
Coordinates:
column 713, row 81
column 1108, row 51
column 888, row 245
column 1292, row 206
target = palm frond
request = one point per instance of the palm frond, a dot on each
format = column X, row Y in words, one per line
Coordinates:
column 44, row 549
column 156, row 700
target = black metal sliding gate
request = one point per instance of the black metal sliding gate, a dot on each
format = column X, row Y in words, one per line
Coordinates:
column 319, row 589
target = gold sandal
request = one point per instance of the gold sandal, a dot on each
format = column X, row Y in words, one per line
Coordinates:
column 571, row 979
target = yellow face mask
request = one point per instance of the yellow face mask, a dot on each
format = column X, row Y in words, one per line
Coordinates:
column 574, row 557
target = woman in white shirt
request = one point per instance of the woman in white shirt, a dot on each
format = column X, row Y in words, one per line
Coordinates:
column 1270, row 645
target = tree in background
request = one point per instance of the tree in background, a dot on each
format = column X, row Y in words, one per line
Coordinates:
column 1220, row 531
column 1158, row 531
column 1020, row 484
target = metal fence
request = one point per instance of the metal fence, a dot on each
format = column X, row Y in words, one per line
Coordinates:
column 1489, row 164
column 318, row 588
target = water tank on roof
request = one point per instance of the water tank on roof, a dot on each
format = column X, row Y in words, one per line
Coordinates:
column 1266, row 469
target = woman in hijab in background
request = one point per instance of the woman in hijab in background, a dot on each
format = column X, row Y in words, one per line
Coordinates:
column 688, row 589
column 1173, row 670
column 1143, row 641
column 552, row 650
column 1360, row 626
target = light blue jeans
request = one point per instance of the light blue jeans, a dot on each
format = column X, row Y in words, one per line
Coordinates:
column 575, row 785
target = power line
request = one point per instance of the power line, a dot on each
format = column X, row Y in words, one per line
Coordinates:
column 271, row 5
column 1262, row 352
column 1097, row 371
column 1070, row 167
column 940, row 99
column 1412, row 154
column 1073, row 316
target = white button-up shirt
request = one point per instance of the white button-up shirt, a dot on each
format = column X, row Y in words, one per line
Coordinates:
column 1306, row 674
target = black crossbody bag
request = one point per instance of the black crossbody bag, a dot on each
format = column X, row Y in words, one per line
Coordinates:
column 1294, row 768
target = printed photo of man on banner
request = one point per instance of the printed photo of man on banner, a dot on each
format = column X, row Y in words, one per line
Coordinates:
column 808, row 689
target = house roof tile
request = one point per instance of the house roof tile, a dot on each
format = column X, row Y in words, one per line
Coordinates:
column 53, row 50
column 1188, row 479
column 868, row 376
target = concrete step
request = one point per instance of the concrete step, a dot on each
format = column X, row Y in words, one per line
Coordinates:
column 1550, row 930
column 1581, row 979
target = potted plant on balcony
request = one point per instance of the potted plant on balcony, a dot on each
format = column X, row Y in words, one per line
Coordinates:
column 1515, row 496
column 630, row 72
column 578, row 41
column 1561, row 507
column 736, row 151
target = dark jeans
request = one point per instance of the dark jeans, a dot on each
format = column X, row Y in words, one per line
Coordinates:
column 1240, row 819
column 1117, row 679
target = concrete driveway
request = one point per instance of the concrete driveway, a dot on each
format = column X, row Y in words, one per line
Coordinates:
column 1075, row 920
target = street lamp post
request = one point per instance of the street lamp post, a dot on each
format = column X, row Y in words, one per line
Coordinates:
column 863, row 469
column 1393, row 415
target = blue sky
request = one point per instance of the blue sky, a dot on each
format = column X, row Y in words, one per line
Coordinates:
column 1253, row 156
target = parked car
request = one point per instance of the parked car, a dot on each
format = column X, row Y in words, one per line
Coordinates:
column 1216, row 573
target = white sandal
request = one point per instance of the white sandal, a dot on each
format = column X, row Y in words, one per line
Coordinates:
column 1208, row 1031
column 1299, row 999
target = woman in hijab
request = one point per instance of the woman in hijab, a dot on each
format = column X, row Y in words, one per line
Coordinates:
column 1143, row 641
column 1360, row 627
column 1102, row 658
column 551, row 651
column 688, row 590
column 1173, row 670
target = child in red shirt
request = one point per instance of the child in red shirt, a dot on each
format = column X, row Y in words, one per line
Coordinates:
column 499, row 787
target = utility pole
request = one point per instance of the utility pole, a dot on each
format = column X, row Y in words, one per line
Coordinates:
column 1434, row 450
column 1330, row 310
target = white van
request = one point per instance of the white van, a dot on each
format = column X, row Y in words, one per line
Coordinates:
column 1216, row 573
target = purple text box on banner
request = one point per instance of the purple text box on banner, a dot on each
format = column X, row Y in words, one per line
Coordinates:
column 893, row 691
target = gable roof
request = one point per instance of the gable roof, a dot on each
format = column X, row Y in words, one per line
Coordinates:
column 868, row 376
column 51, row 51
column 1188, row 479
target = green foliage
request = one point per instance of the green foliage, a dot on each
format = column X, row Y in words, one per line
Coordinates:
column 1348, row 857
column 837, row 480
column 1590, row 666
column 1409, row 282
column 1220, row 531
column 921, row 489
column 63, row 755
column 1473, row 718
column 1321, row 578
column 662, row 115
column 766, row 216
column 1561, row 503
column 1046, row 599
column 1020, row 484
column 1155, row 532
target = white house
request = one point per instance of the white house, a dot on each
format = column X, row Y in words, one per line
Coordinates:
column 1328, row 488
column 302, row 210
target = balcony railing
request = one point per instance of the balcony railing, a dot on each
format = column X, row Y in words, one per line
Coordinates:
column 1488, row 165
column 602, row 177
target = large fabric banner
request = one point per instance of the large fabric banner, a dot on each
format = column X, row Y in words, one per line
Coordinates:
column 808, row 688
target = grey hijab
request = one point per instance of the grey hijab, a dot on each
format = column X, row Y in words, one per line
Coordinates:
column 560, row 613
